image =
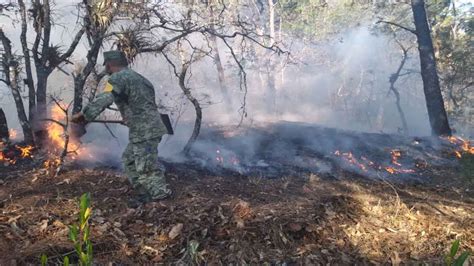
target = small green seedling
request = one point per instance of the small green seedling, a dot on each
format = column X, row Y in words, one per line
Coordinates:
column 451, row 259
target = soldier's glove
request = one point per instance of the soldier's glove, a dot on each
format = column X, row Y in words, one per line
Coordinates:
column 78, row 118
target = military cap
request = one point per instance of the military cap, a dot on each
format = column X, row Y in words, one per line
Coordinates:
column 115, row 55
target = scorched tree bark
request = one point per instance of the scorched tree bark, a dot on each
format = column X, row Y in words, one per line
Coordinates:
column 434, row 99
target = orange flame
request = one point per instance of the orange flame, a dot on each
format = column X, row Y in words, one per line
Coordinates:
column 56, row 131
column 395, row 155
column 349, row 157
column 51, row 163
column 26, row 152
column 364, row 163
column 463, row 146
column 391, row 170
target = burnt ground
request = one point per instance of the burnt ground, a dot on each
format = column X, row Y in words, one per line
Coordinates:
column 306, row 218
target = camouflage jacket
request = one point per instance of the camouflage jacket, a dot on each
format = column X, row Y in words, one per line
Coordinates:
column 134, row 96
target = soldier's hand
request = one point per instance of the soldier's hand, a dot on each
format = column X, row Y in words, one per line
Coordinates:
column 78, row 118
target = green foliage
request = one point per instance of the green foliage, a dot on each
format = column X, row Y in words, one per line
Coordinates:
column 79, row 233
column 44, row 260
column 310, row 18
column 453, row 32
column 451, row 259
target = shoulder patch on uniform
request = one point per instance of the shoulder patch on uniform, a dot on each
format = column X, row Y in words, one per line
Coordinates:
column 108, row 87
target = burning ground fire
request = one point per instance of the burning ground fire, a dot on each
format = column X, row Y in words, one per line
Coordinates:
column 9, row 154
column 463, row 146
column 365, row 164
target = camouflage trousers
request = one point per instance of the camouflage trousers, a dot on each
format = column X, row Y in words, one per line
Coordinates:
column 141, row 166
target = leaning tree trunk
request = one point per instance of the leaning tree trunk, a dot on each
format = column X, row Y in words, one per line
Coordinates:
column 434, row 99
column 4, row 134
column 81, row 78
column 197, row 108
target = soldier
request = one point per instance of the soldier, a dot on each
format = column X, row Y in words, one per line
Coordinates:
column 134, row 96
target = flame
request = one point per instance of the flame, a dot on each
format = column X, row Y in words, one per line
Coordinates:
column 51, row 163
column 463, row 146
column 391, row 170
column 56, row 132
column 6, row 160
column 364, row 163
column 223, row 159
column 349, row 157
column 395, row 155
column 26, row 152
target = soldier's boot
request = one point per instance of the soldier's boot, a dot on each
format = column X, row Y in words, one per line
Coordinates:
column 155, row 185
column 162, row 193
column 141, row 197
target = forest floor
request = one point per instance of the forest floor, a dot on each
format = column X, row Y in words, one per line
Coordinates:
column 237, row 218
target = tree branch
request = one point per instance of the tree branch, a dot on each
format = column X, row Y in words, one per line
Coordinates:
column 73, row 45
column 397, row 25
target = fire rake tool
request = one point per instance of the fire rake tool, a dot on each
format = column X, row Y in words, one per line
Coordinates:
column 78, row 130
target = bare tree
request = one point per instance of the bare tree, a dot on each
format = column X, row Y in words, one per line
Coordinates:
column 193, row 24
column 10, row 69
column 434, row 99
column 47, row 57
column 98, row 18
column 27, row 62
column 393, row 79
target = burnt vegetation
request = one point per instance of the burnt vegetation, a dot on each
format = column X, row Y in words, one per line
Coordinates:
column 306, row 132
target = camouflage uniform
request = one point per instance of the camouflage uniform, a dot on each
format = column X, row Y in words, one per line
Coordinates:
column 134, row 96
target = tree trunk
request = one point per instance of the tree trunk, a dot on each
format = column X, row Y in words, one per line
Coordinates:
column 25, row 125
column 219, row 65
column 4, row 134
column 221, row 74
column 10, row 69
column 271, row 66
column 26, row 55
column 80, row 80
column 393, row 79
column 41, row 86
column 197, row 108
column 434, row 99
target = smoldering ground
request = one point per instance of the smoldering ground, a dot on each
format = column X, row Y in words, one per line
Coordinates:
column 343, row 83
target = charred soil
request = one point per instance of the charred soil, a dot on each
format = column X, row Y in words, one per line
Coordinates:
column 223, row 217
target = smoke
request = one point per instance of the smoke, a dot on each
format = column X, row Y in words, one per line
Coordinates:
column 342, row 83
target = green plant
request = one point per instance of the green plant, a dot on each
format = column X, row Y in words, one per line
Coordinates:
column 451, row 259
column 79, row 234
column 44, row 260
